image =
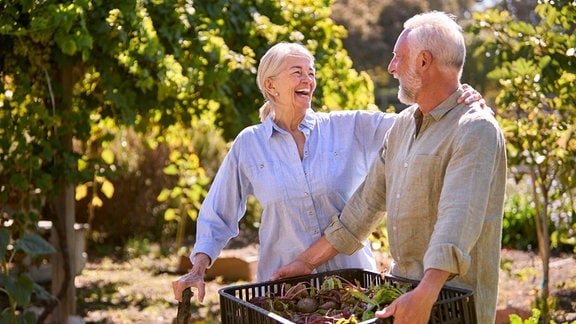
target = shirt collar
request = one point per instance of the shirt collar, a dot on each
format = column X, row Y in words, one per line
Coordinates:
column 309, row 122
column 447, row 105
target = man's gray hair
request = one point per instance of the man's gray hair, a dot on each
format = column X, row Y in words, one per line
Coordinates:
column 438, row 33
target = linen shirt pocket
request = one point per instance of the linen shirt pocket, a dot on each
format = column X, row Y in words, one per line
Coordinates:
column 426, row 173
column 423, row 176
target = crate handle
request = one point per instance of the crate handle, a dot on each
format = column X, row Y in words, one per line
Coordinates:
column 183, row 316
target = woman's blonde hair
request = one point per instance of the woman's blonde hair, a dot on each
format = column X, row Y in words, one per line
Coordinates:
column 269, row 67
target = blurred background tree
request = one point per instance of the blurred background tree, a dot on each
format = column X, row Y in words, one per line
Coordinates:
column 93, row 91
column 534, row 53
column 373, row 27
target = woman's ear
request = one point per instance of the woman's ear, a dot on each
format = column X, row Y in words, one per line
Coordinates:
column 269, row 87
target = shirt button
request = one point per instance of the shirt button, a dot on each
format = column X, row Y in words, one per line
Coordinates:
column 398, row 196
column 394, row 228
column 306, row 194
column 405, row 164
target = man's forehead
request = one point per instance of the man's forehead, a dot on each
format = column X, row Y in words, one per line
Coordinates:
column 401, row 42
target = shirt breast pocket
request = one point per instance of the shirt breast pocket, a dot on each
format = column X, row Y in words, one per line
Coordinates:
column 266, row 178
column 336, row 169
column 425, row 179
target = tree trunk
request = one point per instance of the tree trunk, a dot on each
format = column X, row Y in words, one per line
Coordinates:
column 545, row 256
column 64, row 260
column 541, row 211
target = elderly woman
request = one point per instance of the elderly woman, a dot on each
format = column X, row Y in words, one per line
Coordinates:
column 301, row 165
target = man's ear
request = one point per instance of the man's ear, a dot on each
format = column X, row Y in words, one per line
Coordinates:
column 425, row 59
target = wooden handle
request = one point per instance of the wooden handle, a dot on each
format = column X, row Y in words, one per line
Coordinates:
column 183, row 315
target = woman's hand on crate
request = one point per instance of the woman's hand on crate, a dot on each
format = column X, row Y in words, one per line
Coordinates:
column 297, row 267
column 194, row 278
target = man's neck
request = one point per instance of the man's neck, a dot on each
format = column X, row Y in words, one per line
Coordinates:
column 433, row 94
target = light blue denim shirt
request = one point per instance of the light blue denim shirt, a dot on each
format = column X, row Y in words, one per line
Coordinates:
column 298, row 197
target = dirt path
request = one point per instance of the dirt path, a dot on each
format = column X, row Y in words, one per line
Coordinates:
column 139, row 291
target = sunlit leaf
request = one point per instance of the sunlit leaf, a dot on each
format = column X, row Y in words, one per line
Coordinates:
column 107, row 189
column 97, row 202
column 163, row 195
column 82, row 165
column 81, row 191
column 108, row 156
column 169, row 215
column 171, row 170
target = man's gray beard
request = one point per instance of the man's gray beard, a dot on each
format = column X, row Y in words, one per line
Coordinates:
column 405, row 97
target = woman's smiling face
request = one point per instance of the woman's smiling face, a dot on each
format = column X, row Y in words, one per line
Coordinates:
column 296, row 82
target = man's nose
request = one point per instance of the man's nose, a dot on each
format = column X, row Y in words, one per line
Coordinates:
column 392, row 67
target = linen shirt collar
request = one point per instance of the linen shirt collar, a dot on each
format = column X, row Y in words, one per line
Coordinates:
column 444, row 107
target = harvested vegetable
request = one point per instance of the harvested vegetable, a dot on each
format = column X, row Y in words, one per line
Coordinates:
column 336, row 301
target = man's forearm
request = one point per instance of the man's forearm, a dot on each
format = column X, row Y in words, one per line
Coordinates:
column 433, row 281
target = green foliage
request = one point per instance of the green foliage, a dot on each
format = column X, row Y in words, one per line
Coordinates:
column 243, row 30
column 536, row 69
column 518, row 229
column 16, row 284
column 534, row 319
column 76, row 74
column 183, row 200
column 535, row 66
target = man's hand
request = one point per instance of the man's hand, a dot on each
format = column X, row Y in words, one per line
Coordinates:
column 409, row 308
column 415, row 306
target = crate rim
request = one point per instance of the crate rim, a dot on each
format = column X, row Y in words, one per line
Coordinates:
column 465, row 292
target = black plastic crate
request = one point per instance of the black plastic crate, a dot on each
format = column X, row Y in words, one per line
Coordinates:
column 454, row 306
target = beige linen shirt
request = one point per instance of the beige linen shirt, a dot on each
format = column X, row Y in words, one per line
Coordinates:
column 443, row 193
